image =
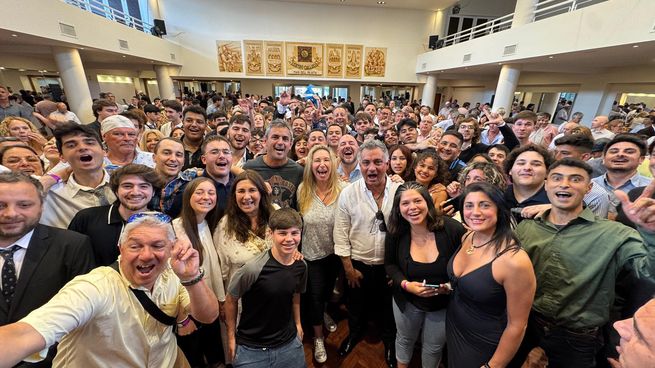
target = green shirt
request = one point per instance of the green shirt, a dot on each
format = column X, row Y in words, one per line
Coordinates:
column 577, row 265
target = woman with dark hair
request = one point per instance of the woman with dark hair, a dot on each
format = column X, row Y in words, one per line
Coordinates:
column 493, row 284
column 431, row 171
column 400, row 161
column 299, row 148
column 418, row 245
column 242, row 233
column 318, row 195
column 197, row 222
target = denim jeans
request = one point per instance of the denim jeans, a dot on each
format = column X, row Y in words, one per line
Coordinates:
column 321, row 276
column 408, row 325
column 289, row 355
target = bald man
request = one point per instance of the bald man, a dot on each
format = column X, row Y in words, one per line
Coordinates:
column 599, row 128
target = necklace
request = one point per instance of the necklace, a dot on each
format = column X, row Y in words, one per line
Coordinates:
column 324, row 196
column 472, row 247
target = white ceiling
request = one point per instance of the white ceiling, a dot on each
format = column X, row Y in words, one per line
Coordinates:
column 396, row 4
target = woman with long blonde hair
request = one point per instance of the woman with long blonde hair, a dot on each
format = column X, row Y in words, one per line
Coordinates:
column 23, row 129
column 317, row 201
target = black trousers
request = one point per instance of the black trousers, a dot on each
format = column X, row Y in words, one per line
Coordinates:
column 565, row 348
column 371, row 300
column 321, row 276
column 202, row 345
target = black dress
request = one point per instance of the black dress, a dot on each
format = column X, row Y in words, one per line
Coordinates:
column 476, row 317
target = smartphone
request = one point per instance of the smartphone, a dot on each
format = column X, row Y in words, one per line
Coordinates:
column 433, row 286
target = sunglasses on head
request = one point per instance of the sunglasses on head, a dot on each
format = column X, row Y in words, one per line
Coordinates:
column 158, row 215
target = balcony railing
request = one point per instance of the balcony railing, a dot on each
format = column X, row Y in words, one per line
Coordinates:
column 545, row 9
column 98, row 7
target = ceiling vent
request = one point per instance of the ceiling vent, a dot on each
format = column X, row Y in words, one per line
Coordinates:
column 123, row 45
column 67, row 30
column 509, row 50
column 466, row 58
column 172, row 57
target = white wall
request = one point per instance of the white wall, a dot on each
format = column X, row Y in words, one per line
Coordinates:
column 198, row 24
column 585, row 29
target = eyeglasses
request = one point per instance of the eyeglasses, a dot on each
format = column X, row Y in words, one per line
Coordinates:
column 380, row 217
column 158, row 215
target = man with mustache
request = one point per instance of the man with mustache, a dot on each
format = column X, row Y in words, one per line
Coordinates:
column 133, row 185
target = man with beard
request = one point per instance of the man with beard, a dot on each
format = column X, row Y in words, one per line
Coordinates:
column 622, row 157
column 348, row 168
column 169, row 160
column 120, row 136
column 282, row 173
column 133, row 185
column 39, row 259
column 194, row 123
column 87, row 186
column 359, row 233
column 238, row 134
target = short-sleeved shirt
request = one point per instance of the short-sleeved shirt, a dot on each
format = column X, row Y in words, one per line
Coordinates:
column 266, row 288
column 284, row 180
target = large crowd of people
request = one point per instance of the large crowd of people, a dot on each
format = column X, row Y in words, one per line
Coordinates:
column 214, row 230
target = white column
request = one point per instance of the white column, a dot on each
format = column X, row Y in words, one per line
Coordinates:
column 76, row 88
column 439, row 23
column 164, row 82
column 429, row 91
column 524, row 12
column 507, row 81
column 549, row 102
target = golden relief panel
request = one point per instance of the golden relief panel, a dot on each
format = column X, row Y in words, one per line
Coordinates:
column 229, row 56
column 254, row 57
column 304, row 59
column 376, row 62
column 274, row 58
column 334, row 60
column 353, row 61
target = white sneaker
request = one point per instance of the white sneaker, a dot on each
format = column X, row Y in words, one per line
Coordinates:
column 319, row 350
column 329, row 323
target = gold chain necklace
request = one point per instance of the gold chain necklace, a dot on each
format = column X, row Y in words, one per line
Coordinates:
column 472, row 247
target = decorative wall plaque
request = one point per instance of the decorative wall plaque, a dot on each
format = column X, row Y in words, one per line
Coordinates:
column 334, row 60
column 375, row 62
column 229, row 56
column 274, row 57
column 304, row 59
column 354, row 61
column 254, row 51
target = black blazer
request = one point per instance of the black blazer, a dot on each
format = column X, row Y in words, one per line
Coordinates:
column 54, row 257
column 396, row 254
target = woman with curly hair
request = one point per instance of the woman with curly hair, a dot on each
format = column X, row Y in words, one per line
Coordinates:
column 23, row 129
column 431, row 171
column 474, row 172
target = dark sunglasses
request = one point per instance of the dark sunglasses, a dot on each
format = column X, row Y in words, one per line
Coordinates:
column 383, row 225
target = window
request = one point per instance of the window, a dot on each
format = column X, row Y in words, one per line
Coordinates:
column 132, row 13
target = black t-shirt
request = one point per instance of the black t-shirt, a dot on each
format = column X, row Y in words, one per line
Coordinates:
column 540, row 197
column 266, row 288
column 103, row 224
column 284, row 180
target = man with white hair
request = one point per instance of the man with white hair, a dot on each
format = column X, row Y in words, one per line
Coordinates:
column 121, row 315
column 120, row 136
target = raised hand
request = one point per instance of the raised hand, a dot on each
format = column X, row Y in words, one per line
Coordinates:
column 641, row 211
column 184, row 260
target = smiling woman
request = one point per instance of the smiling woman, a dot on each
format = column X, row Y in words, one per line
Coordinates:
column 196, row 224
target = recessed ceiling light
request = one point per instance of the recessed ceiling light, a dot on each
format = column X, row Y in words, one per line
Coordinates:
column 2, row 68
column 81, row 48
column 14, row 35
column 500, row 63
column 550, row 57
column 124, row 56
column 381, row 2
column 342, row 1
column 21, row 70
column 635, row 46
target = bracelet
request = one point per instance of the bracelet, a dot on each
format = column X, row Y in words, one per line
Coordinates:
column 404, row 284
column 56, row 177
column 486, row 365
column 185, row 322
column 196, row 279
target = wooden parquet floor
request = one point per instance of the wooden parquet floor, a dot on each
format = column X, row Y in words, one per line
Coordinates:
column 369, row 353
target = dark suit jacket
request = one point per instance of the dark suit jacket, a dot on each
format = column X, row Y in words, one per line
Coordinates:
column 53, row 257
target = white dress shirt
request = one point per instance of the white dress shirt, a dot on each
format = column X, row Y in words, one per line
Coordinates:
column 64, row 200
column 356, row 230
column 19, row 255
